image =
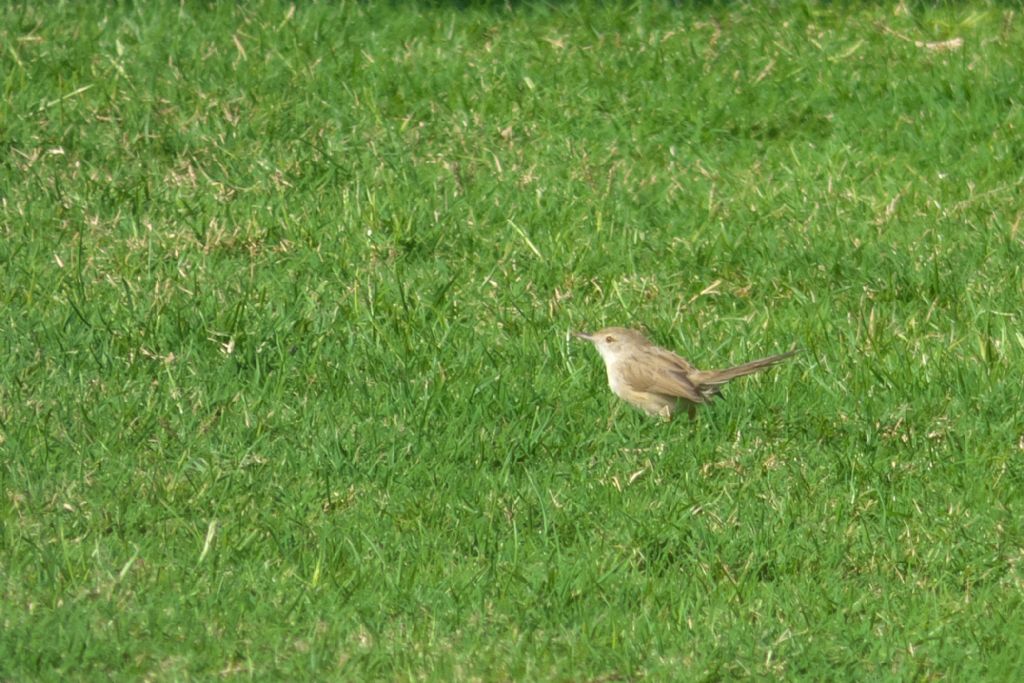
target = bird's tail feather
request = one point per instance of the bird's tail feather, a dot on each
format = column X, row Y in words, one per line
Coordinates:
column 709, row 381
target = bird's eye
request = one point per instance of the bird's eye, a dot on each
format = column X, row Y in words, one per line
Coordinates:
column 609, row 339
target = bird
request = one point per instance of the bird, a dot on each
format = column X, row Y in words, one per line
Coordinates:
column 658, row 381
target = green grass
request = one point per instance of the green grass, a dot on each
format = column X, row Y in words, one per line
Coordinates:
column 286, row 390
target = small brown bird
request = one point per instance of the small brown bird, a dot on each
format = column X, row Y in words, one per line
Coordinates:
column 658, row 381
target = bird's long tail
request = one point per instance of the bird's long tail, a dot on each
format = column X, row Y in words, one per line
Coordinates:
column 709, row 381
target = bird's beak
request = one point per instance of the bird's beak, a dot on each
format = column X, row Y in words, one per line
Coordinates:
column 583, row 335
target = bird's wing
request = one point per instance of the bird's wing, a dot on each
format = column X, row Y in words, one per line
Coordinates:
column 668, row 374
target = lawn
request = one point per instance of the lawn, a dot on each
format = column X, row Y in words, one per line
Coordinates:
column 287, row 390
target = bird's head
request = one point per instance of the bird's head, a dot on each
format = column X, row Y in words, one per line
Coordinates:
column 614, row 342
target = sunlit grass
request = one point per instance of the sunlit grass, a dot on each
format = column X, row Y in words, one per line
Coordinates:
column 287, row 390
